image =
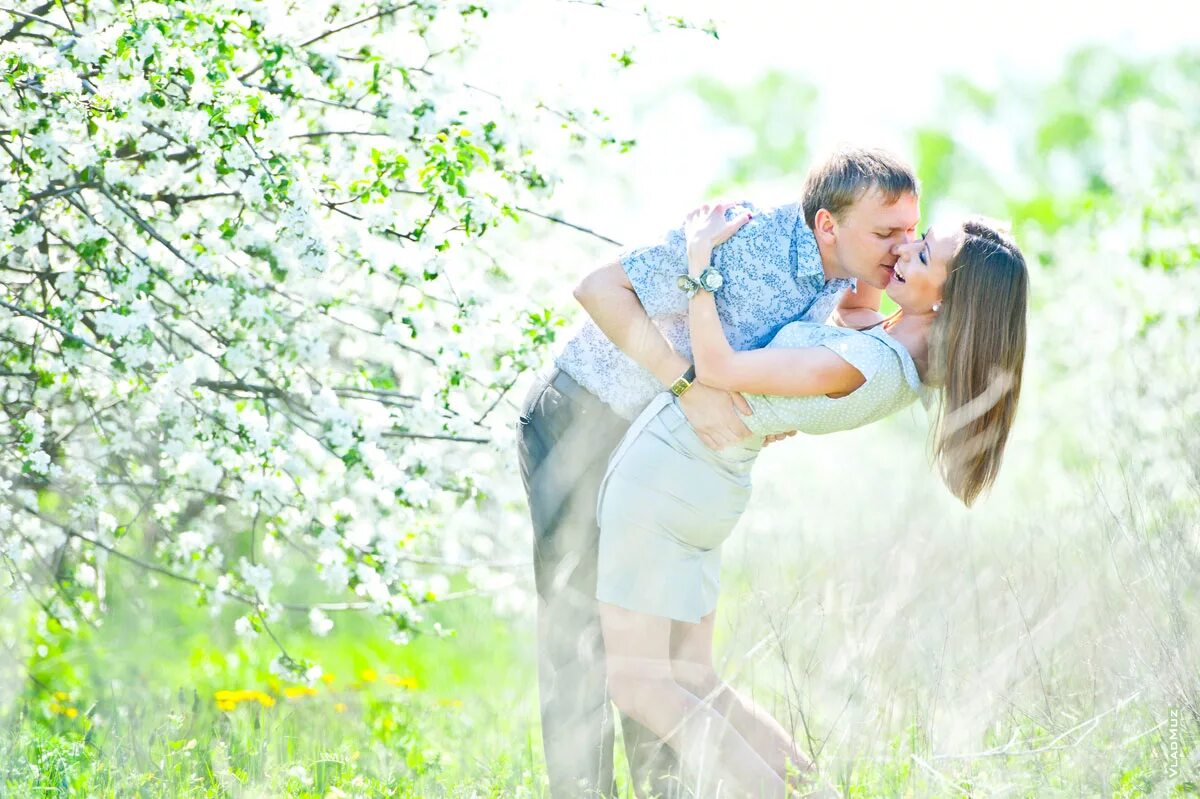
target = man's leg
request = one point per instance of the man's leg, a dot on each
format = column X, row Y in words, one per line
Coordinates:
column 558, row 447
column 653, row 765
column 564, row 446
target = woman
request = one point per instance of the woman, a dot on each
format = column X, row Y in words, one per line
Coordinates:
column 668, row 502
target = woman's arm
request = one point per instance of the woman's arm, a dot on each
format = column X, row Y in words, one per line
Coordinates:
column 857, row 309
column 609, row 298
column 796, row 372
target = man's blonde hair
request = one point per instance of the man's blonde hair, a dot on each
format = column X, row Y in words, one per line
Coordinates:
column 844, row 177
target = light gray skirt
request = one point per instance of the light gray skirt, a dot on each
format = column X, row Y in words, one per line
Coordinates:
column 666, row 504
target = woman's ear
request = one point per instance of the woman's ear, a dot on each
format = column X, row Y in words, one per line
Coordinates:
column 825, row 226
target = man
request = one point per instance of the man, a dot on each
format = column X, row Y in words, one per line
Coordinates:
column 786, row 263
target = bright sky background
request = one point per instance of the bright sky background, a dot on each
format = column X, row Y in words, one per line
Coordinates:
column 879, row 66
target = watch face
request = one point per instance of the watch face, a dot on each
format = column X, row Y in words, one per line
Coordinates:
column 712, row 280
column 686, row 283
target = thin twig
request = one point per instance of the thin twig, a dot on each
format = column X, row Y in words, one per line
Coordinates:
column 377, row 15
column 33, row 18
column 47, row 323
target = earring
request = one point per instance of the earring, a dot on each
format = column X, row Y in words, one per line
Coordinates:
column 937, row 306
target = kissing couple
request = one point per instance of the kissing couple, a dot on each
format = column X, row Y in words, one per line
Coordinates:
column 743, row 326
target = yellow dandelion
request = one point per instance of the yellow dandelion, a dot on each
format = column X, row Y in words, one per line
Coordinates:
column 61, row 696
column 297, row 691
column 228, row 700
column 327, row 679
column 71, row 712
column 368, row 675
column 340, row 707
column 56, row 708
column 402, row 682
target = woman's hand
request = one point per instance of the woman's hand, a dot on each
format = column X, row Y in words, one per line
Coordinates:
column 705, row 228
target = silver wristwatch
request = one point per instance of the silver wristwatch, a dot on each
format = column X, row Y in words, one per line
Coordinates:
column 710, row 280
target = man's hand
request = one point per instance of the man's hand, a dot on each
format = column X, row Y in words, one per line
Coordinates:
column 715, row 415
column 771, row 439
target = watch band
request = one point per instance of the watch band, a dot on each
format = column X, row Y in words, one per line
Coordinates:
column 684, row 381
column 709, row 280
column 688, row 285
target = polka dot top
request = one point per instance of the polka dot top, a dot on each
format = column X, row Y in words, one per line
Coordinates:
column 891, row 383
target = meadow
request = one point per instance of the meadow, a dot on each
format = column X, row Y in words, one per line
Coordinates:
column 163, row 526
column 1043, row 644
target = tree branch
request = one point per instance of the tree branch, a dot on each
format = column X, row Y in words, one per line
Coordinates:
column 377, row 15
column 437, row 437
column 322, row 133
column 31, row 18
column 362, row 20
column 31, row 315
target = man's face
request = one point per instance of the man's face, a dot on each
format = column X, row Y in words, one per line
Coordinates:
column 867, row 232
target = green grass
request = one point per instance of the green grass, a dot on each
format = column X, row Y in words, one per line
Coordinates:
column 132, row 709
column 427, row 719
column 443, row 716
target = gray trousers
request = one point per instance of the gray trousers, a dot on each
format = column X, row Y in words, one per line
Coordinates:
column 565, row 436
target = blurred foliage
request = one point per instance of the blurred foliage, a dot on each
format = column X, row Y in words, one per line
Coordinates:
column 1112, row 134
column 775, row 113
column 121, row 713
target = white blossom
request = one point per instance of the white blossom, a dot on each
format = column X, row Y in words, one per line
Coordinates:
column 319, row 622
column 39, row 462
column 245, row 628
column 418, row 491
column 85, row 574
column 257, row 576
column 191, row 542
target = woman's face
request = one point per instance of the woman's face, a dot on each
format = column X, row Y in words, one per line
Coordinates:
column 922, row 268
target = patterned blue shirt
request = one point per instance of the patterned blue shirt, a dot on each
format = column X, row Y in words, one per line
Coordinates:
column 773, row 276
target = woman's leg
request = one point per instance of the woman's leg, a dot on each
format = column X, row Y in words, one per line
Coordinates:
column 638, row 648
column 692, row 668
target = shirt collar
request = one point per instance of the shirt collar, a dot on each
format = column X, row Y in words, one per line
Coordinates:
column 808, row 261
column 808, row 257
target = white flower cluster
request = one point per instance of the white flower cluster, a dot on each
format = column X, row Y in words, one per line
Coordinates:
column 258, row 577
column 249, row 320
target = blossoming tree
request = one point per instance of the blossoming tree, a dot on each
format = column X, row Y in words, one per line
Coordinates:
column 244, row 307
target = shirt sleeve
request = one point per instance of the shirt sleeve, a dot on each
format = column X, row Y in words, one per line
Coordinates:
column 865, row 353
column 654, row 270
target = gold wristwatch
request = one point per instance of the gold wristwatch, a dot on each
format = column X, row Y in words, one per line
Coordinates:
column 684, row 381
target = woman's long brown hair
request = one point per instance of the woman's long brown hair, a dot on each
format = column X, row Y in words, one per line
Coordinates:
column 977, row 354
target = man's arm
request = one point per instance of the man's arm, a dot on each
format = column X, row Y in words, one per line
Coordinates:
column 857, row 309
column 609, row 299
